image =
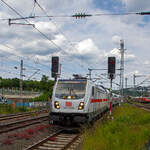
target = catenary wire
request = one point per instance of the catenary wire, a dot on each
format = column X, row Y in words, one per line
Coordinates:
column 33, row 26
column 21, row 57
column 56, row 26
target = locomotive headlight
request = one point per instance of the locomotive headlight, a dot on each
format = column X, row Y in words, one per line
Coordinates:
column 64, row 97
column 81, row 106
column 81, row 103
column 73, row 97
column 69, row 97
column 56, row 104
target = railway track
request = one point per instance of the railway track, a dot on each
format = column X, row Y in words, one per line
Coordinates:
column 142, row 106
column 4, row 128
column 61, row 140
column 147, row 108
column 19, row 116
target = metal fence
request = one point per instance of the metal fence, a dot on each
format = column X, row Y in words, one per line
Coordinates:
column 17, row 92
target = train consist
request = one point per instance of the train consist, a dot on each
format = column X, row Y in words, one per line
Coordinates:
column 142, row 99
column 79, row 101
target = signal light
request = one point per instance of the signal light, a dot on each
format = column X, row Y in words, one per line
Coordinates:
column 55, row 66
column 111, row 65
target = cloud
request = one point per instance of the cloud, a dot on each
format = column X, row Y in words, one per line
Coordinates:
column 116, row 39
column 136, row 5
column 85, row 47
column 116, row 53
column 78, row 42
column 46, row 26
column 147, row 62
column 59, row 40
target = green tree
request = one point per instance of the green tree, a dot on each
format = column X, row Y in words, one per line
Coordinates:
column 45, row 85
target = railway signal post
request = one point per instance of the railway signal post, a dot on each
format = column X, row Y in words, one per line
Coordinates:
column 55, row 70
column 111, row 76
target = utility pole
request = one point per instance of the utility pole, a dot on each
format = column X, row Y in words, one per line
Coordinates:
column 21, row 76
column 126, row 81
column 111, row 96
column 122, row 68
column 111, row 76
column 134, row 80
column 1, row 82
column 90, row 73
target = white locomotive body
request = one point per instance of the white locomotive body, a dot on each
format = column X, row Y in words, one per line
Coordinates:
column 77, row 101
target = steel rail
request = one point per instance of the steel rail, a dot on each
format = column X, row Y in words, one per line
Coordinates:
column 18, row 114
column 147, row 108
column 59, row 140
column 13, row 126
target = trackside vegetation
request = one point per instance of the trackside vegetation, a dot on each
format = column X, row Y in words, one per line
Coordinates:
column 129, row 130
column 45, row 86
column 9, row 109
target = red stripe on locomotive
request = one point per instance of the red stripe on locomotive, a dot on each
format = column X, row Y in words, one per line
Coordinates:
column 98, row 100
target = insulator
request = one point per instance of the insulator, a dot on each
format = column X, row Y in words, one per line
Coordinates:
column 144, row 13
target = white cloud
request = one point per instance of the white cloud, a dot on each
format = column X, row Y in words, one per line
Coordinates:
column 116, row 53
column 85, row 47
column 137, row 72
column 95, row 38
column 137, row 5
column 59, row 40
column 3, row 15
column 116, row 39
column 46, row 26
column 147, row 62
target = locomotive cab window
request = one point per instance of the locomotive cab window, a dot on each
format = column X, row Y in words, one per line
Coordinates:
column 70, row 89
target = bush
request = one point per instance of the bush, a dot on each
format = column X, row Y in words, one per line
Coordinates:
column 22, row 109
column 9, row 109
column 44, row 97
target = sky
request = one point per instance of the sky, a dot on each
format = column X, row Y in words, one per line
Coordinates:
column 80, row 43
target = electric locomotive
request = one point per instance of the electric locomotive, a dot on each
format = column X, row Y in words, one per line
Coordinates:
column 77, row 100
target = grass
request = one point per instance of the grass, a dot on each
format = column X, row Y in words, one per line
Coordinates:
column 129, row 130
column 9, row 109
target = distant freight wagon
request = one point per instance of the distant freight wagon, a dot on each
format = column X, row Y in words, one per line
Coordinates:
column 142, row 99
